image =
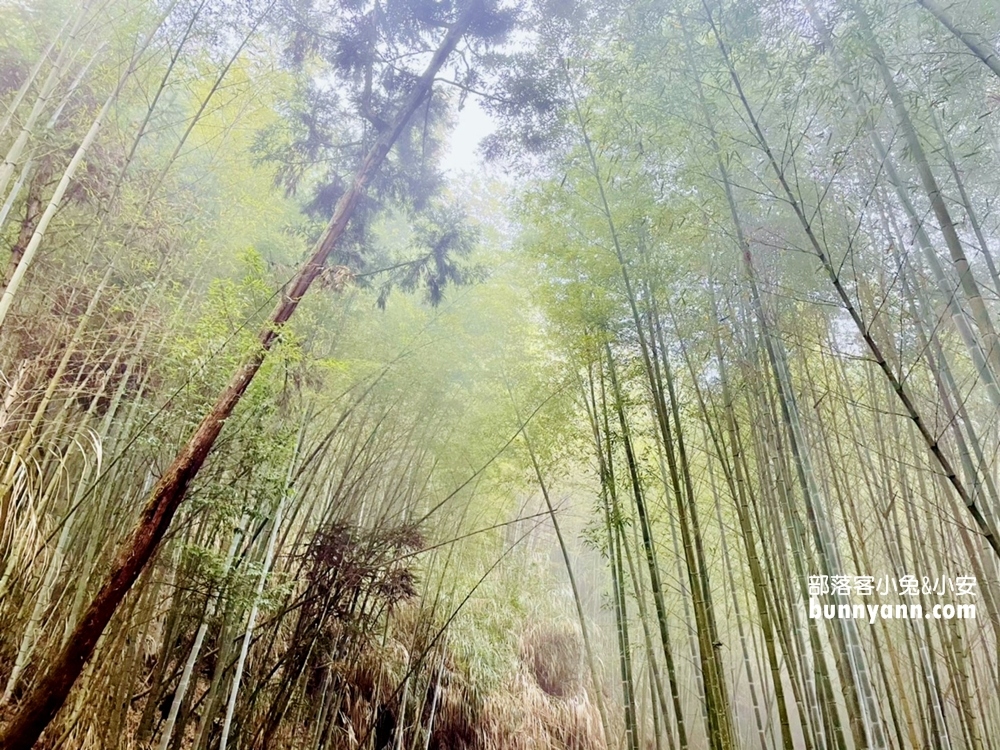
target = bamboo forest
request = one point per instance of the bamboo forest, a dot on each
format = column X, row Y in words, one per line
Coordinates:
column 500, row 374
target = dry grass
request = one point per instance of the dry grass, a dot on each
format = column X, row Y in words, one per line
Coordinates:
column 553, row 654
column 543, row 705
column 525, row 717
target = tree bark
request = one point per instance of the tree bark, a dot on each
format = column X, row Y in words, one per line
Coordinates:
column 43, row 701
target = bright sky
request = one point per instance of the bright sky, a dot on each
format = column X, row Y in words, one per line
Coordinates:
column 472, row 125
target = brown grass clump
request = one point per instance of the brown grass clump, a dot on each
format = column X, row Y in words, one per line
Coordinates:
column 458, row 716
column 365, row 684
column 545, row 706
column 554, row 657
column 525, row 717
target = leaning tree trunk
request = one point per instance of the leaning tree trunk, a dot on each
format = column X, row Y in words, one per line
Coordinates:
column 988, row 56
column 43, row 701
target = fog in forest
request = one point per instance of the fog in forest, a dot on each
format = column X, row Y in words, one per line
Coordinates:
column 499, row 374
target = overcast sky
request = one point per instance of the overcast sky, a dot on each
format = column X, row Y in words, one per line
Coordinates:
column 472, row 125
